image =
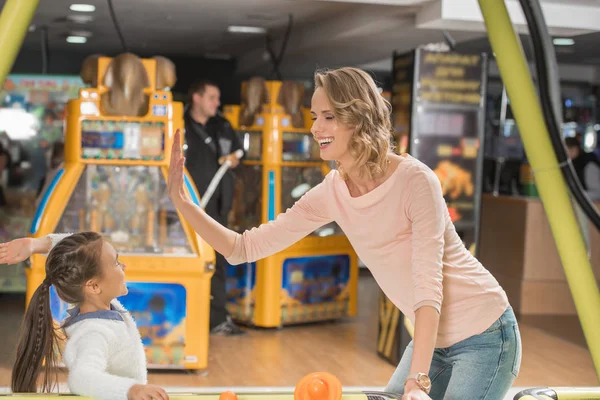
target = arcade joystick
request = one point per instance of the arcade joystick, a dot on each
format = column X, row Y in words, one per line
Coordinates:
column 228, row 396
column 318, row 386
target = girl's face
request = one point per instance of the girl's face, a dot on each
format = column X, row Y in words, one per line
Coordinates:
column 111, row 283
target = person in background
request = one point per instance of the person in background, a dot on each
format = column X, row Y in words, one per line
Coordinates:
column 587, row 167
column 5, row 161
column 210, row 141
column 57, row 158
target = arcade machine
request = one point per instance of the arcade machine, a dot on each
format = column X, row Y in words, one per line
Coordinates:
column 438, row 117
column 316, row 278
column 113, row 182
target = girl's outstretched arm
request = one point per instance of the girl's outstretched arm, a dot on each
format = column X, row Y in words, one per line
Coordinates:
column 21, row 249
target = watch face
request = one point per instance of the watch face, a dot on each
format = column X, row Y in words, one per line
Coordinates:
column 425, row 381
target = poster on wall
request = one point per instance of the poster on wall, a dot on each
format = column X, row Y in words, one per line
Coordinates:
column 32, row 109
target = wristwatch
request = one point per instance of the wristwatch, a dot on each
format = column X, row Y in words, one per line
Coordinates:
column 422, row 381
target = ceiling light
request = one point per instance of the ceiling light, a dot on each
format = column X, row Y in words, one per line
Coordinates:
column 563, row 42
column 76, row 39
column 83, row 7
column 246, row 29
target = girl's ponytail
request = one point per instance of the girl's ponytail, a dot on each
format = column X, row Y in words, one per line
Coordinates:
column 37, row 345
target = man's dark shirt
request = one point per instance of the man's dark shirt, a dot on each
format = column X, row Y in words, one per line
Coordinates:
column 206, row 143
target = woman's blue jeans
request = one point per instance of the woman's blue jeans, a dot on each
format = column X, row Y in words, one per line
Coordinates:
column 482, row 367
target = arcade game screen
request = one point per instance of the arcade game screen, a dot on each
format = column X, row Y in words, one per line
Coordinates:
column 159, row 310
column 122, row 140
column 452, row 143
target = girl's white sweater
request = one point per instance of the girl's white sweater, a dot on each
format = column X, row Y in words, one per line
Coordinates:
column 103, row 352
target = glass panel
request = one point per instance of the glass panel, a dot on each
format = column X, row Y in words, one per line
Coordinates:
column 247, row 199
column 295, row 181
column 300, row 147
column 130, row 206
column 252, row 144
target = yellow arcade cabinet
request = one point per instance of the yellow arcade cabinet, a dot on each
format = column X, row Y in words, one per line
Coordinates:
column 316, row 278
column 113, row 182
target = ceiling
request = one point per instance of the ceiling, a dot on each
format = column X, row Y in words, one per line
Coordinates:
column 585, row 51
column 325, row 33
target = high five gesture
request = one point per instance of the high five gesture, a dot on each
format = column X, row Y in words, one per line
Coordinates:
column 216, row 235
column 175, row 184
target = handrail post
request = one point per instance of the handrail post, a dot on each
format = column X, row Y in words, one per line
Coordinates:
column 549, row 179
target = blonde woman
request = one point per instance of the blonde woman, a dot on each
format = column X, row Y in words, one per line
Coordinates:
column 466, row 343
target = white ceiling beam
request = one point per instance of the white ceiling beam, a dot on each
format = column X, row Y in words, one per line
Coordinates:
column 402, row 3
column 376, row 26
column 361, row 51
column 563, row 19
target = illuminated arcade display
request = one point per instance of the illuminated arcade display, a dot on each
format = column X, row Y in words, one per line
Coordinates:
column 114, row 183
column 316, row 278
column 438, row 112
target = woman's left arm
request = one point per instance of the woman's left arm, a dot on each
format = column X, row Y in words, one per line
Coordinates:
column 427, row 211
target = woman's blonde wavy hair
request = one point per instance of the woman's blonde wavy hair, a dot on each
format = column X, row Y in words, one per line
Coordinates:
column 357, row 103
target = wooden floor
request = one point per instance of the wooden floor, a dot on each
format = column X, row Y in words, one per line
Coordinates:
column 554, row 354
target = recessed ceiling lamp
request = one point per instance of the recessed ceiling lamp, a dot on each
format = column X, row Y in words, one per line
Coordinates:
column 82, row 8
column 563, row 42
column 76, row 39
column 246, row 29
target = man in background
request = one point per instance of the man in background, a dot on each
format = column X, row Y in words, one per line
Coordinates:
column 587, row 167
column 210, row 141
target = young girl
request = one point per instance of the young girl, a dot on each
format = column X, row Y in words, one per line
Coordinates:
column 103, row 351
column 466, row 339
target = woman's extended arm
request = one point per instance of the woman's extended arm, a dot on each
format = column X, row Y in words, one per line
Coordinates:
column 427, row 211
column 304, row 217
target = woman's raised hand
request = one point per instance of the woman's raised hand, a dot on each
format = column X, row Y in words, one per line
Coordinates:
column 175, row 184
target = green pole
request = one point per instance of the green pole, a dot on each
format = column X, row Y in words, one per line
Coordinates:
column 550, row 182
column 14, row 23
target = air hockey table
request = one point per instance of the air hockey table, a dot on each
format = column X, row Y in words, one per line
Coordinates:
column 220, row 396
column 315, row 386
column 559, row 393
